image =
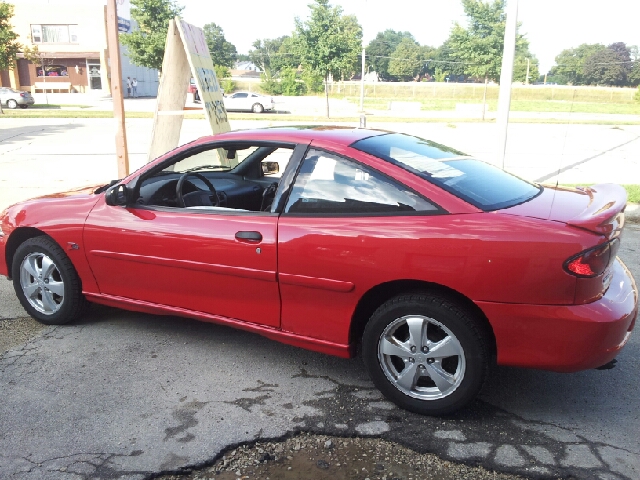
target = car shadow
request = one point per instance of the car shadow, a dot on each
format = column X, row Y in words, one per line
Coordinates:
column 20, row 134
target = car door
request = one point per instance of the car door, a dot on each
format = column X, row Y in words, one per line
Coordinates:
column 345, row 228
column 237, row 101
column 216, row 261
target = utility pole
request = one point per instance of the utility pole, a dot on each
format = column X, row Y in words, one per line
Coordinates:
column 526, row 80
column 362, row 83
column 506, row 77
column 116, row 89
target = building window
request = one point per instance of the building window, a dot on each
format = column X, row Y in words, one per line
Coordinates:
column 52, row 71
column 54, row 33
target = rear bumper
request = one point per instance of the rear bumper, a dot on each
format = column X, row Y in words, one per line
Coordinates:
column 566, row 338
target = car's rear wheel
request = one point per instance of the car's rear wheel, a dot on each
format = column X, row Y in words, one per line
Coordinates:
column 426, row 353
column 24, row 106
column 46, row 282
column 257, row 108
column 11, row 103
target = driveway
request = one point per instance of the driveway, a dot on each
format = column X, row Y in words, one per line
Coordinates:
column 128, row 395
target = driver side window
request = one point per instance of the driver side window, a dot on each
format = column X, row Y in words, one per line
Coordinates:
column 218, row 178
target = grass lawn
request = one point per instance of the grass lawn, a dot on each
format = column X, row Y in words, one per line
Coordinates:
column 516, row 105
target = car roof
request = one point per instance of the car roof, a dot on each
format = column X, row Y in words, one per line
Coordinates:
column 298, row 134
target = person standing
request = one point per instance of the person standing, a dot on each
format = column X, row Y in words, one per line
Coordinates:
column 128, row 87
column 134, row 86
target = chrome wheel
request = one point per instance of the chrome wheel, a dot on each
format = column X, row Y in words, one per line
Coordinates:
column 421, row 357
column 42, row 283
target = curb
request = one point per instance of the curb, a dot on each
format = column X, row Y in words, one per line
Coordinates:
column 632, row 213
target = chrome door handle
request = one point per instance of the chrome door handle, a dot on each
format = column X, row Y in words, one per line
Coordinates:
column 250, row 236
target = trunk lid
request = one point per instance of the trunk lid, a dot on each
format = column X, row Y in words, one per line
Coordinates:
column 599, row 208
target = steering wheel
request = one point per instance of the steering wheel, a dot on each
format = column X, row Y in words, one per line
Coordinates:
column 199, row 197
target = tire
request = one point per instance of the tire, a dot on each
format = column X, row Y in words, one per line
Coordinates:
column 257, row 108
column 442, row 378
column 11, row 103
column 23, row 106
column 38, row 264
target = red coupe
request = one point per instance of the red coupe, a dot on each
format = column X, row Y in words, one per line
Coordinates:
column 326, row 238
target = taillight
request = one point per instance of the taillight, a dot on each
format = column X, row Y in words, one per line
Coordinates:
column 593, row 261
column 23, row 94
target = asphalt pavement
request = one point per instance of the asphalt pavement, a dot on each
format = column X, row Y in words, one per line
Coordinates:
column 128, row 395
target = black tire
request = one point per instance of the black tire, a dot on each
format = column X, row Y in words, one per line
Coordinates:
column 23, row 106
column 11, row 103
column 47, row 306
column 257, row 108
column 446, row 324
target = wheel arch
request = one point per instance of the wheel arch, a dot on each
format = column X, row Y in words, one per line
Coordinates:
column 379, row 294
column 17, row 238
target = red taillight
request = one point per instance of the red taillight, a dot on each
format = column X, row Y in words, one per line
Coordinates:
column 23, row 94
column 594, row 261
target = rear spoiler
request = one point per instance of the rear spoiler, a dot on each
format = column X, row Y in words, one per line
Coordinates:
column 605, row 212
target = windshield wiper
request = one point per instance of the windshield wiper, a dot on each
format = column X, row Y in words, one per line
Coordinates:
column 207, row 167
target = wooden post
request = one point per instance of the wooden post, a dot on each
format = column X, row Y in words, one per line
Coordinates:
column 116, row 89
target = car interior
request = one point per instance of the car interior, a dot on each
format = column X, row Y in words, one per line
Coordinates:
column 242, row 177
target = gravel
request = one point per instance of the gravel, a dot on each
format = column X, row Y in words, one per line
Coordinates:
column 308, row 456
column 16, row 332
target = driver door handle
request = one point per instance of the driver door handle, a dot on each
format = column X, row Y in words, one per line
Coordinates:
column 249, row 236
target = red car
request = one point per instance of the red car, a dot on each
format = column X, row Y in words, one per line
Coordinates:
column 325, row 238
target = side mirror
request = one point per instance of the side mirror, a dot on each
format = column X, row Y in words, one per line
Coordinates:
column 270, row 168
column 118, row 196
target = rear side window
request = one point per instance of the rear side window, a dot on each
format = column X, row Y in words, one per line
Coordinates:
column 329, row 184
column 478, row 183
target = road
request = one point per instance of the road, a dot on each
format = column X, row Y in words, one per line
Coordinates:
column 129, row 395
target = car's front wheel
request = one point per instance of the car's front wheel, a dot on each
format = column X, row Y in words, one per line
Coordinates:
column 46, row 282
column 426, row 353
column 11, row 103
column 257, row 108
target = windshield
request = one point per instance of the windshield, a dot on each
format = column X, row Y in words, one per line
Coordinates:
column 479, row 183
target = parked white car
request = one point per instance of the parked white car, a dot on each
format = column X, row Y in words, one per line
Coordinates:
column 11, row 98
column 248, row 101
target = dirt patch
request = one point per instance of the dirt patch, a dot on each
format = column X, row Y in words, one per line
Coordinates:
column 18, row 331
column 320, row 457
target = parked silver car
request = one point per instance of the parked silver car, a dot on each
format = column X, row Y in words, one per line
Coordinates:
column 252, row 102
column 11, row 98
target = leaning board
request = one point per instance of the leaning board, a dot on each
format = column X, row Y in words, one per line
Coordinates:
column 186, row 55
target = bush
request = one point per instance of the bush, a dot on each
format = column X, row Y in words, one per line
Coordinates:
column 313, row 82
column 289, row 83
column 270, row 85
column 222, row 72
column 228, row 85
column 636, row 97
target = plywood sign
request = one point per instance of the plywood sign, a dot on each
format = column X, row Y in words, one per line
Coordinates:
column 186, row 55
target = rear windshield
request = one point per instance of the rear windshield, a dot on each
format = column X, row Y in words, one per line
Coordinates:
column 479, row 183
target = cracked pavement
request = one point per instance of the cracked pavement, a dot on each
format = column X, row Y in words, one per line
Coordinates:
column 128, row 395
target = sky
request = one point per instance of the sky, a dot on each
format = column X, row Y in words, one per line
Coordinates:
column 550, row 25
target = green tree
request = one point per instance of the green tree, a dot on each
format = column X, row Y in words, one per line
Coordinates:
column 222, row 52
column 407, row 60
column 9, row 45
column 634, row 74
column 520, row 68
column 146, row 45
column 328, row 42
column 273, row 55
column 480, row 46
column 605, row 68
column 569, row 66
column 380, row 49
column 445, row 63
